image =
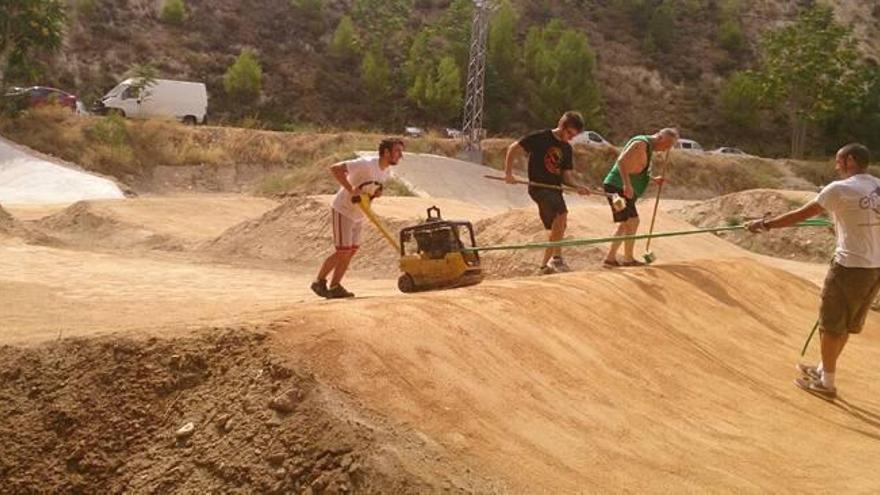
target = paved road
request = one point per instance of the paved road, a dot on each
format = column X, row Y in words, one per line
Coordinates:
column 441, row 177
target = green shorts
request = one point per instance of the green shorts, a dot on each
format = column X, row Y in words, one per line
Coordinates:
column 846, row 297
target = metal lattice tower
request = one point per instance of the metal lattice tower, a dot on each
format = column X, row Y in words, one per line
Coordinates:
column 472, row 127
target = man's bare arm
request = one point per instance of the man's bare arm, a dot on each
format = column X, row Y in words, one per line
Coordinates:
column 339, row 171
column 809, row 210
column 630, row 160
column 512, row 151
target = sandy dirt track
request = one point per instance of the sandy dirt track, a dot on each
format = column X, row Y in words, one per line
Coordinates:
column 676, row 377
column 671, row 378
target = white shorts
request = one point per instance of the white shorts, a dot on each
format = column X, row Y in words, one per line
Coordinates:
column 346, row 232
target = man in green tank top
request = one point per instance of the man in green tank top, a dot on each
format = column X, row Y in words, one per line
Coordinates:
column 629, row 177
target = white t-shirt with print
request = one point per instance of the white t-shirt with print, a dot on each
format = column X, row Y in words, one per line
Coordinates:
column 359, row 171
column 854, row 205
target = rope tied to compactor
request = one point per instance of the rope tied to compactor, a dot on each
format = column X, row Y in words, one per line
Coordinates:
column 601, row 240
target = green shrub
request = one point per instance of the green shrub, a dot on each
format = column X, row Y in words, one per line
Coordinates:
column 394, row 187
column 110, row 130
column 731, row 37
column 173, row 12
column 85, row 7
column 245, row 76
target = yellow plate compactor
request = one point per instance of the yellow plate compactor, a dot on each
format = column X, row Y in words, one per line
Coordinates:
column 433, row 254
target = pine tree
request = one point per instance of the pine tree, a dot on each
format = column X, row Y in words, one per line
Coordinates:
column 559, row 72
column 502, row 63
column 344, row 45
column 244, row 78
column 445, row 93
column 376, row 75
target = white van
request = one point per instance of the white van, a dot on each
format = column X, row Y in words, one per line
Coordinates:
column 180, row 100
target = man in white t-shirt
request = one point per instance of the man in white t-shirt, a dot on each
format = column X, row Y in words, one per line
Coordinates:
column 356, row 177
column 854, row 277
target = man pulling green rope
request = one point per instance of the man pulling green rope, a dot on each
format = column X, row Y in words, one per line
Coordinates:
column 854, row 277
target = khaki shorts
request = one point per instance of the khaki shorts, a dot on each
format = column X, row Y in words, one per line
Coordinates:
column 846, row 297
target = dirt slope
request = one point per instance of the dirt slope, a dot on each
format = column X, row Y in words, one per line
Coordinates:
column 12, row 227
column 299, row 232
column 671, row 378
column 814, row 244
column 101, row 416
column 171, row 224
column 8, row 223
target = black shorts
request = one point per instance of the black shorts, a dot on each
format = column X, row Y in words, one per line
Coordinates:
column 626, row 213
column 551, row 204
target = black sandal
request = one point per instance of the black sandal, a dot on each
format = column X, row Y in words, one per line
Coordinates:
column 632, row 263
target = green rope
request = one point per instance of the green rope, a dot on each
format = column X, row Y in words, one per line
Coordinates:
column 601, row 240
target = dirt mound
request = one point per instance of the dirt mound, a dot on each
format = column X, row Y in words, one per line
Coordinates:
column 8, row 223
column 299, row 231
column 613, row 380
column 806, row 244
column 110, row 416
column 12, row 227
column 86, row 225
column 522, row 226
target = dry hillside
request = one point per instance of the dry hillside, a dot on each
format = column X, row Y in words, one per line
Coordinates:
column 166, row 157
column 641, row 88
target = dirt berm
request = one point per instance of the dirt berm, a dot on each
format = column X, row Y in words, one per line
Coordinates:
column 804, row 244
column 8, row 224
column 299, row 231
column 11, row 227
column 105, row 416
column 673, row 378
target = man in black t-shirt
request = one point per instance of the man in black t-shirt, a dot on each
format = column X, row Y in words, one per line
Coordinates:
column 550, row 164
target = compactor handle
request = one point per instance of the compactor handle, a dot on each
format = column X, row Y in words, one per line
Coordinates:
column 436, row 215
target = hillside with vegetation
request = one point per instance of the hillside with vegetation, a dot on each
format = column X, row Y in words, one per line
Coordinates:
column 628, row 65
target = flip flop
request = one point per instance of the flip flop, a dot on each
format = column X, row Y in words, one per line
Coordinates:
column 610, row 264
column 632, row 263
column 816, row 388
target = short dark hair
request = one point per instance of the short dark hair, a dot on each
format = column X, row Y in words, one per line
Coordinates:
column 388, row 144
column 574, row 120
column 858, row 152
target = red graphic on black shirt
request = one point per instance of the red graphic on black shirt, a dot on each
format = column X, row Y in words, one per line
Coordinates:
column 552, row 159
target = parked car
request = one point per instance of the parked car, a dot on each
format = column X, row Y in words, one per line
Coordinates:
column 414, row 132
column 36, row 96
column 689, row 145
column 591, row 138
column 180, row 100
column 453, row 133
column 728, row 150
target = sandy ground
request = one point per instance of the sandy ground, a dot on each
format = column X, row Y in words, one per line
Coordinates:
column 100, row 292
column 672, row 378
column 675, row 377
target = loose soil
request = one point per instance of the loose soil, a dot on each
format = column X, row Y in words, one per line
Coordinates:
column 109, row 415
